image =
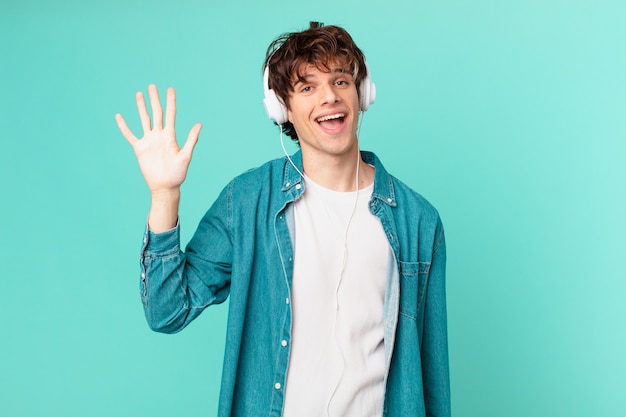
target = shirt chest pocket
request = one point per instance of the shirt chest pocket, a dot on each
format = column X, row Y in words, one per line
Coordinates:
column 413, row 284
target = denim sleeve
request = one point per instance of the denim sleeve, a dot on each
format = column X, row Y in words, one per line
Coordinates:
column 435, row 366
column 177, row 286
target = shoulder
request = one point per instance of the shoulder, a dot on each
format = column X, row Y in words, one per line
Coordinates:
column 398, row 194
column 265, row 174
column 407, row 195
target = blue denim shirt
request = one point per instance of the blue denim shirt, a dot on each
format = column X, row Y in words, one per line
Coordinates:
column 243, row 248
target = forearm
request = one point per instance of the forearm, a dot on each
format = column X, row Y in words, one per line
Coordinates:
column 169, row 302
column 164, row 210
column 175, row 285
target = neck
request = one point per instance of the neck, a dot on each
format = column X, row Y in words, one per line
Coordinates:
column 338, row 172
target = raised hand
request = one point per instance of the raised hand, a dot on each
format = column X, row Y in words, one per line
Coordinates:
column 162, row 162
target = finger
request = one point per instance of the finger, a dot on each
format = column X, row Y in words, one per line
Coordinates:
column 192, row 139
column 170, row 109
column 155, row 103
column 126, row 132
column 143, row 112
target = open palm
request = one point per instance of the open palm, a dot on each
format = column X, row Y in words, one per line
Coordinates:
column 162, row 162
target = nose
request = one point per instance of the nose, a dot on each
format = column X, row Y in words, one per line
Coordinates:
column 328, row 94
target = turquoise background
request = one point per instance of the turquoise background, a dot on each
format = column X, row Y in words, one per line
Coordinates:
column 509, row 116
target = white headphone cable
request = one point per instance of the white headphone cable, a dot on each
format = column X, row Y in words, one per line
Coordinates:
column 345, row 244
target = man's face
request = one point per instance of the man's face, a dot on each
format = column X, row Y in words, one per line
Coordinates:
column 324, row 109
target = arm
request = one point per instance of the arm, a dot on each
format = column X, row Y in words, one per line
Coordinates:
column 436, row 375
column 172, row 289
column 177, row 286
column 163, row 164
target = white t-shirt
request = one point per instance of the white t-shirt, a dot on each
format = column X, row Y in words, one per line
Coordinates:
column 337, row 361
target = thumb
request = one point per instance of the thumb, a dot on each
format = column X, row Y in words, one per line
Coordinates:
column 192, row 139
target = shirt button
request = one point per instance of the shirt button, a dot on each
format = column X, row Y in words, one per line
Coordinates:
column 277, row 385
column 287, row 184
column 389, row 200
column 286, row 300
column 298, row 186
column 143, row 275
column 284, row 343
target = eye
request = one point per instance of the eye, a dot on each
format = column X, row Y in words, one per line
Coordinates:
column 342, row 82
column 306, row 88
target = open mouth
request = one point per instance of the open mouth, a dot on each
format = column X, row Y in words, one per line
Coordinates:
column 331, row 121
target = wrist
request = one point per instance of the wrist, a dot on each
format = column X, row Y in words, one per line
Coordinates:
column 164, row 210
column 165, row 195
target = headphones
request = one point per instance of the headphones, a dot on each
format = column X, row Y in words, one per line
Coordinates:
column 277, row 111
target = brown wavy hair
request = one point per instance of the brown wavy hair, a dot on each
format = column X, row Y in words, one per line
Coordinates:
column 319, row 45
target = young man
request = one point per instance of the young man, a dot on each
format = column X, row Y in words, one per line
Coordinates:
column 335, row 269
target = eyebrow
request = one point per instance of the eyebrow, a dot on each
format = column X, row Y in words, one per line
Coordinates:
column 304, row 78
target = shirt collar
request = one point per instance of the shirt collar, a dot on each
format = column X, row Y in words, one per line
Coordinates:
column 292, row 180
column 383, row 182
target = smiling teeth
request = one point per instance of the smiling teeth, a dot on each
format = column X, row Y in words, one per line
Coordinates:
column 330, row 117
